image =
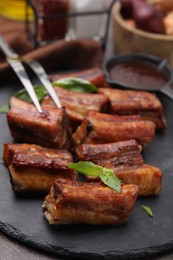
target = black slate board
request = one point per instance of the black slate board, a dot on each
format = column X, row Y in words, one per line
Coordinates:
column 22, row 218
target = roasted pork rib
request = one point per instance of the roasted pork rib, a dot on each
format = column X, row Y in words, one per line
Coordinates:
column 77, row 104
column 126, row 161
column 130, row 102
column 147, row 177
column 98, row 128
column 94, row 75
column 121, row 154
column 34, row 169
column 72, row 202
column 50, row 129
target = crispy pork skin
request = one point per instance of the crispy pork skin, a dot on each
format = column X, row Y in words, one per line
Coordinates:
column 125, row 159
column 147, row 177
column 77, row 104
column 131, row 102
column 94, row 75
column 98, row 128
column 33, row 169
column 49, row 129
column 74, row 202
column 117, row 154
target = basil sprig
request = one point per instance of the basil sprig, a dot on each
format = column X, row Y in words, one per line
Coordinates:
column 148, row 210
column 22, row 94
column 106, row 175
column 5, row 108
column 75, row 84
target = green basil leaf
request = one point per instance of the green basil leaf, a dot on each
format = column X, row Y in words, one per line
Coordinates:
column 75, row 84
column 106, row 175
column 5, row 108
column 110, row 179
column 148, row 210
column 22, row 94
column 87, row 168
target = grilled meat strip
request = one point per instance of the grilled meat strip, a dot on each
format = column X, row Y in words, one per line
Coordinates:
column 72, row 202
column 126, row 161
column 147, row 177
column 130, row 102
column 118, row 154
column 34, row 169
column 99, row 128
column 77, row 104
column 50, row 129
column 94, row 75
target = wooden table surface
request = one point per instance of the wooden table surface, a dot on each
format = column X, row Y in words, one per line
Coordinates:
column 11, row 249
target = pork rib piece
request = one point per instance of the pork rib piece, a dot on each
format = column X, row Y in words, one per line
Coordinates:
column 34, row 169
column 94, row 75
column 78, row 104
column 131, row 102
column 99, row 128
column 50, row 129
column 74, row 202
column 125, row 159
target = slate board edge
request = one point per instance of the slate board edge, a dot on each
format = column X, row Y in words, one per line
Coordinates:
column 66, row 253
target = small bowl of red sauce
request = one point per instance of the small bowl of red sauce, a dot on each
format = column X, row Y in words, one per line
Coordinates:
column 140, row 72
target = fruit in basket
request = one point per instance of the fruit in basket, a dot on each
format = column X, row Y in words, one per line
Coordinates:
column 168, row 23
column 126, row 8
column 147, row 17
column 165, row 6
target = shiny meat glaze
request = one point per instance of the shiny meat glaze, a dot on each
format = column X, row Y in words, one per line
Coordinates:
column 71, row 202
column 50, row 129
column 125, row 160
column 131, row 102
column 11, row 149
column 34, row 168
column 119, row 154
column 100, row 128
column 147, row 177
column 94, row 75
column 77, row 104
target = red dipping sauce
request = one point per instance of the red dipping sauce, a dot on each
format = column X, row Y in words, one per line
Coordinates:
column 138, row 75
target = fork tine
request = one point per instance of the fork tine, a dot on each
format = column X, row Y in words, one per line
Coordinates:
column 14, row 61
column 21, row 73
column 41, row 74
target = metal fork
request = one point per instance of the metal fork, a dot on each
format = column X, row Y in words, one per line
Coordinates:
column 16, row 63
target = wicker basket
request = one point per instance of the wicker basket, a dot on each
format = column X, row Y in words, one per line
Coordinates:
column 131, row 40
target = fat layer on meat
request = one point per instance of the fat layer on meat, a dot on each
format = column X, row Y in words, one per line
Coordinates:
column 131, row 102
column 98, row 128
column 78, row 104
column 34, row 169
column 125, row 159
column 49, row 129
column 74, row 202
